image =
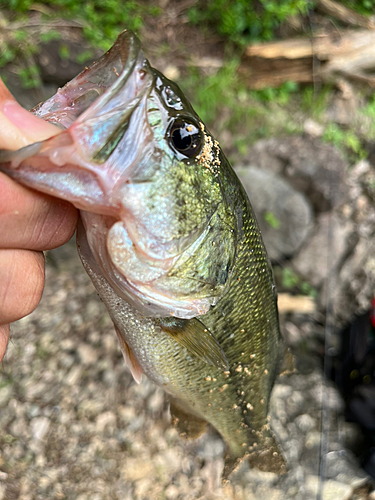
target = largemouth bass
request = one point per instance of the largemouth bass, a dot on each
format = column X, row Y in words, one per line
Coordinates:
column 171, row 243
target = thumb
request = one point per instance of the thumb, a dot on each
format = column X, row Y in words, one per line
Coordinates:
column 19, row 127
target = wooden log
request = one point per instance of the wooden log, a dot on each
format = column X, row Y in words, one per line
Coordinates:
column 350, row 55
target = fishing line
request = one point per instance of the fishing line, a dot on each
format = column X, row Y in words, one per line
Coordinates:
column 325, row 412
column 327, row 363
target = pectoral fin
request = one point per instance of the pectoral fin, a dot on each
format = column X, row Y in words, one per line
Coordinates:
column 189, row 426
column 197, row 339
column 129, row 358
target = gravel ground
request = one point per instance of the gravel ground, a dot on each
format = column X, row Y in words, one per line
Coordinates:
column 74, row 425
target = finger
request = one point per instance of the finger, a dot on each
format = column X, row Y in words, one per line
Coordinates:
column 4, row 337
column 31, row 220
column 18, row 126
column 22, row 282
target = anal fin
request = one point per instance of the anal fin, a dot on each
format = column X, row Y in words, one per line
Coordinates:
column 129, row 358
column 197, row 339
column 189, row 426
column 288, row 365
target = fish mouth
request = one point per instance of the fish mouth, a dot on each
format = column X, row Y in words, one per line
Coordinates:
column 101, row 108
column 106, row 87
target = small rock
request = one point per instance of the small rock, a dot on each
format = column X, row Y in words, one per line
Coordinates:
column 344, row 468
column 156, row 401
column 18, row 427
column 39, row 427
column 136, row 469
column 332, row 490
column 34, row 411
column 106, row 419
column 313, row 128
column 5, row 395
column 74, row 375
column 269, row 494
column 313, row 439
column 87, row 354
column 172, row 492
column 305, row 423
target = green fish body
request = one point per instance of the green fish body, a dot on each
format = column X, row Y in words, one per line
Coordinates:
column 170, row 241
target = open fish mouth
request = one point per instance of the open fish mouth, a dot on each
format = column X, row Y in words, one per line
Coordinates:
column 106, row 81
column 93, row 110
column 151, row 215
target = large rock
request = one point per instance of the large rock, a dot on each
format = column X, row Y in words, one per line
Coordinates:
column 284, row 215
column 324, row 249
column 311, row 166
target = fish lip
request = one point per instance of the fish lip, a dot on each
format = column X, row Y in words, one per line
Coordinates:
column 92, row 90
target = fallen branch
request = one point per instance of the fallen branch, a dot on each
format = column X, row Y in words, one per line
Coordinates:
column 350, row 55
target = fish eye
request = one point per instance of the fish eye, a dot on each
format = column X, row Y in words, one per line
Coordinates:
column 186, row 138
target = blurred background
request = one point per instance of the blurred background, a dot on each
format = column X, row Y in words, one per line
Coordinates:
column 287, row 89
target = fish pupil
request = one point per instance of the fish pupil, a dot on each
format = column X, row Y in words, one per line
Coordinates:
column 186, row 138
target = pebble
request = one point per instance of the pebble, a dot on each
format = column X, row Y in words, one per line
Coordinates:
column 313, row 128
column 305, row 423
column 87, row 354
column 5, row 395
column 39, row 427
column 172, row 492
column 106, row 419
column 332, row 490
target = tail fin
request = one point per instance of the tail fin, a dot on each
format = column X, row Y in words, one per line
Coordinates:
column 264, row 455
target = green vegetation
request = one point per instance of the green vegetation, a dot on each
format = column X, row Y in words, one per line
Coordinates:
column 290, row 281
column 366, row 7
column 243, row 21
column 315, row 102
column 344, row 138
column 101, row 20
column 272, row 220
column 224, row 103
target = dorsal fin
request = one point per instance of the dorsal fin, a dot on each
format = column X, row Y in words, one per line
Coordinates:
column 197, row 339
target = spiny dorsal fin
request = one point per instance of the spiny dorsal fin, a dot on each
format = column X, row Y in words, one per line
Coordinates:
column 129, row 358
column 189, row 426
column 197, row 339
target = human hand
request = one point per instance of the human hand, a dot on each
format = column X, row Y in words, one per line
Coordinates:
column 30, row 222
